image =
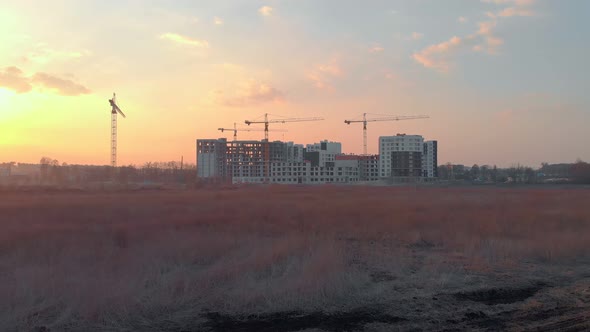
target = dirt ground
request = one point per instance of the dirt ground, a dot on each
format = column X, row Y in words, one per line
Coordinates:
column 276, row 258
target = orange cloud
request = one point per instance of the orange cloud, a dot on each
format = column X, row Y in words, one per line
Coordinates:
column 490, row 43
column 14, row 79
column 250, row 93
column 515, row 11
column 265, row 10
column 184, row 40
column 217, row 21
column 434, row 56
column 323, row 75
column 62, row 86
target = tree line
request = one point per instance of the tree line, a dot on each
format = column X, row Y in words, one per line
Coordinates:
column 52, row 172
column 578, row 172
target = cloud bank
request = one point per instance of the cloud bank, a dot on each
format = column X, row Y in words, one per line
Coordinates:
column 14, row 79
column 184, row 40
column 250, row 93
column 436, row 56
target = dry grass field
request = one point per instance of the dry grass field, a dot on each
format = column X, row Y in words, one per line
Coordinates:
column 289, row 258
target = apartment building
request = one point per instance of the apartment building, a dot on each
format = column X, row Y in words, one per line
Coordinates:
column 323, row 153
column 408, row 148
column 406, row 164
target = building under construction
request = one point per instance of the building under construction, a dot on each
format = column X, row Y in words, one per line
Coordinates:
column 220, row 160
column 248, row 161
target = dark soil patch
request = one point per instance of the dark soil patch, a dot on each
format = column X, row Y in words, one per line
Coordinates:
column 570, row 319
column 297, row 320
column 493, row 296
column 421, row 244
column 475, row 315
column 482, row 320
column 381, row 276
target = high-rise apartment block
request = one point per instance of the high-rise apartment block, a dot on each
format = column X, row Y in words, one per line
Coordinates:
column 400, row 153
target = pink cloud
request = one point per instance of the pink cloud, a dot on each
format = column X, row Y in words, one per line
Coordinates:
column 322, row 76
column 251, row 93
column 436, row 56
column 515, row 11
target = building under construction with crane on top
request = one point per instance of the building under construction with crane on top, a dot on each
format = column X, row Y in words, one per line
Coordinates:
column 250, row 161
column 401, row 157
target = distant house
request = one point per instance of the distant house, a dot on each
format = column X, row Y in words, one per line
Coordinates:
column 5, row 169
column 556, row 170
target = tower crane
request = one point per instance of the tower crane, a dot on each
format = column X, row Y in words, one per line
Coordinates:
column 283, row 120
column 114, row 110
column 235, row 130
column 382, row 118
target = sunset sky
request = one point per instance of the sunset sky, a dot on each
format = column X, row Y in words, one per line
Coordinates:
column 503, row 81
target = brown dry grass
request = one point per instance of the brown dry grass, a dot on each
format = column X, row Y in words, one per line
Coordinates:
column 155, row 260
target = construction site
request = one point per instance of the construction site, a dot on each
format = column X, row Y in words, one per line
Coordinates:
column 401, row 158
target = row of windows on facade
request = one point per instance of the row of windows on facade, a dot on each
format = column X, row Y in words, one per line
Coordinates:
column 416, row 149
column 259, row 179
column 242, row 172
column 410, row 139
column 401, row 144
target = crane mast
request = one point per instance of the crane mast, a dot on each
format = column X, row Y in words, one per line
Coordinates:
column 384, row 118
column 114, row 111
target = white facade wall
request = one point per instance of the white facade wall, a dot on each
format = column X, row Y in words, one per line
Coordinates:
column 327, row 151
column 400, row 142
column 294, row 152
column 210, row 157
column 289, row 172
column 326, row 157
column 207, row 165
column 344, row 171
column 331, row 147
